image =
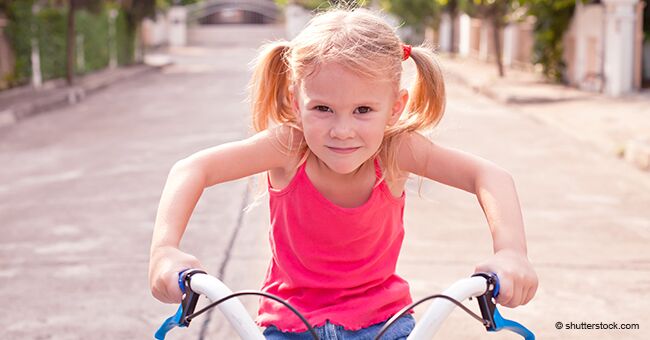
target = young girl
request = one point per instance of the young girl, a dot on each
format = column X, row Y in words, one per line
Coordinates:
column 338, row 139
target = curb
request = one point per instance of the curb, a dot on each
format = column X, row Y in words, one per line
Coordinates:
column 492, row 91
column 637, row 152
column 68, row 96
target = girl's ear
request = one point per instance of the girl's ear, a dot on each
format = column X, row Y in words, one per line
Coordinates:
column 398, row 106
column 295, row 106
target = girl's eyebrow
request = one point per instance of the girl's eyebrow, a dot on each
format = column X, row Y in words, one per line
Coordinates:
column 362, row 102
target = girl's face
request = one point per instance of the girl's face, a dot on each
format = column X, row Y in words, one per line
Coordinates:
column 344, row 116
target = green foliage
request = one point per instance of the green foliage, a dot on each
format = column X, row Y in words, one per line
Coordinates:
column 167, row 3
column 125, row 39
column 94, row 29
column 19, row 32
column 52, row 30
column 416, row 13
column 50, row 26
column 93, row 6
column 500, row 10
column 137, row 10
column 553, row 19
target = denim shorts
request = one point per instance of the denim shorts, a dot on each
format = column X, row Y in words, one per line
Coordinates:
column 398, row 331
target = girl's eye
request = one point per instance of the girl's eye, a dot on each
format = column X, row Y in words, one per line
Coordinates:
column 322, row 108
column 364, row 109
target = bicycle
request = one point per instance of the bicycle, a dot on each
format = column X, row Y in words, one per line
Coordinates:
column 482, row 286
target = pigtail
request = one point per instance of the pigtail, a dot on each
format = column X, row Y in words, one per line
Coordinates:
column 424, row 109
column 269, row 92
column 427, row 101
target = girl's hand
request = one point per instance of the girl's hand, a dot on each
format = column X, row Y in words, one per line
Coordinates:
column 517, row 278
column 164, row 266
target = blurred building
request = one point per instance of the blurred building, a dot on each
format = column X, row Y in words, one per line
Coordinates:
column 605, row 48
column 219, row 12
column 180, row 22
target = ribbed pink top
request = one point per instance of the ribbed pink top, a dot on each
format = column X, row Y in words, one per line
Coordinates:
column 333, row 263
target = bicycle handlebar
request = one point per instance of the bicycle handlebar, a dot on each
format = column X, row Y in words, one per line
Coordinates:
column 483, row 286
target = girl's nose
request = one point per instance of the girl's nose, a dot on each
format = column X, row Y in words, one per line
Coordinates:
column 342, row 129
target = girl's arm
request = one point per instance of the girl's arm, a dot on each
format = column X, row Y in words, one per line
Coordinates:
column 496, row 193
column 185, row 184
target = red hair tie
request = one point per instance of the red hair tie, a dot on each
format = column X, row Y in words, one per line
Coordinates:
column 407, row 51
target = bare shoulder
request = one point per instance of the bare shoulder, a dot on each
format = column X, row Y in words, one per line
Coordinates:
column 288, row 141
column 412, row 153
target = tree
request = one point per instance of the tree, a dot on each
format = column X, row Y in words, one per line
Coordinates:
column 497, row 13
column 553, row 19
column 452, row 9
column 74, row 5
column 136, row 11
column 415, row 13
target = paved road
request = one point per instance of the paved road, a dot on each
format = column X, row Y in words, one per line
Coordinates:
column 79, row 189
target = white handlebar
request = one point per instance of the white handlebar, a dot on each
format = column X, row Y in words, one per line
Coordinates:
column 426, row 328
column 440, row 309
column 233, row 309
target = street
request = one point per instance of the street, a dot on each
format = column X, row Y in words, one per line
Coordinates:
column 79, row 188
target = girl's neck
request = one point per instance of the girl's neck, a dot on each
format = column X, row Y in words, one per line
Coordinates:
column 326, row 173
column 344, row 190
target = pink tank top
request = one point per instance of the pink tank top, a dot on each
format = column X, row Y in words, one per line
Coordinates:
column 333, row 263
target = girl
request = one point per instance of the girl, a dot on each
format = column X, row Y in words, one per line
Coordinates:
column 338, row 138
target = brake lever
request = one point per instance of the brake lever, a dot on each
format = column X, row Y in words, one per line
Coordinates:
column 492, row 318
column 190, row 298
column 187, row 306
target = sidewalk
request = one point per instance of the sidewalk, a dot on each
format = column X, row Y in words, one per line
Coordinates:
column 616, row 126
column 22, row 102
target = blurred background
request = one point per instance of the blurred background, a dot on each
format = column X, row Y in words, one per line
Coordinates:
column 601, row 46
column 99, row 98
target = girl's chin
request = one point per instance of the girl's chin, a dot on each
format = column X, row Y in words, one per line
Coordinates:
column 342, row 167
column 342, row 170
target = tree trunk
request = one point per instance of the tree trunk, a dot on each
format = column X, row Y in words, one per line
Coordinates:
column 497, row 44
column 140, row 48
column 70, row 51
column 453, row 13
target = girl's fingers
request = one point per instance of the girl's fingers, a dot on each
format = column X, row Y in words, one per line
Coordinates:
column 506, row 292
column 528, row 296
column 520, row 292
column 531, row 291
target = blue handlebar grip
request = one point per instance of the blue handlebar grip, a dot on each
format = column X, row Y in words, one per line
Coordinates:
column 181, row 284
column 491, row 315
column 513, row 326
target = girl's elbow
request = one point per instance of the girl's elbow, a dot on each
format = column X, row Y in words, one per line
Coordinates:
column 188, row 168
column 492, row 174
column 503, row 173
column 185, row 163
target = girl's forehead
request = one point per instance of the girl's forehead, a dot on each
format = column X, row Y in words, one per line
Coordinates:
column 336, row 80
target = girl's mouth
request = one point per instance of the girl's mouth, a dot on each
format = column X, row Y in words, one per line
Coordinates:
column 343, row 150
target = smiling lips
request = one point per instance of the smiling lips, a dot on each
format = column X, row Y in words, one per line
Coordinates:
column 343, row 150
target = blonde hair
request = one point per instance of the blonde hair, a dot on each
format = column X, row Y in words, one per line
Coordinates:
column 366, row 45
